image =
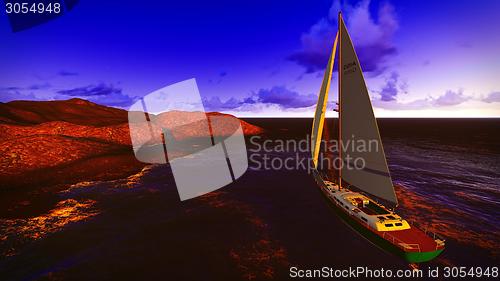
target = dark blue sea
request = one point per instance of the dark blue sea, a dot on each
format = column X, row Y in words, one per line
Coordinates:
column 447, row 177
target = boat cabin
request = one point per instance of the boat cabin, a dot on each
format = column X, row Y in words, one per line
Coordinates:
column 363, row 208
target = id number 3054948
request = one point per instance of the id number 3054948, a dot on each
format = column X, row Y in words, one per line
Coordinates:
column 33, row 8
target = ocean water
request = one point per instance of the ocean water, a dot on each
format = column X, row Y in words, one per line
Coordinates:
column 447, row 178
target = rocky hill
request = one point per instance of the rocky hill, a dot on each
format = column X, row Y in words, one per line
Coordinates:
column 50, row 142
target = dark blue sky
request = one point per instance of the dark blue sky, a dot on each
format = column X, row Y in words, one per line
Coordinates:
column 261, row 58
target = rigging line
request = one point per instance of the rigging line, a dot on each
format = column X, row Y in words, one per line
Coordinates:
column 340, row 97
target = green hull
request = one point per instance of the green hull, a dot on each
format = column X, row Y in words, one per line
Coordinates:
column 411, row 257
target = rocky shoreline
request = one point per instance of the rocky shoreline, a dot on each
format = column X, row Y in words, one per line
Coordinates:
column 48, row 143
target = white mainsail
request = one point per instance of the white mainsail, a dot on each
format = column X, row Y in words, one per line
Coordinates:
column 319, row 116
column 358, row 125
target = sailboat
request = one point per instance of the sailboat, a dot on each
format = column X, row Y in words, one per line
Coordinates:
column 363, row 195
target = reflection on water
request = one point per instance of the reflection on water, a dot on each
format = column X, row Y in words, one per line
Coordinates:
column 451, row 189
column 258, row 258
column 452, row 223
column 266, row 221
column 107, row 186
column 17, row 232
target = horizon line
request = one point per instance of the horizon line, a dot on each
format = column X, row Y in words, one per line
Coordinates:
column 386, row 117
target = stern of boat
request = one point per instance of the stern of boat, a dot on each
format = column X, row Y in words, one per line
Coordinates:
column 419, row 257
column 425, row 256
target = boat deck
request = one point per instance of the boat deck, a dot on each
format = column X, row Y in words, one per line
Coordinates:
column 372, row 209
column 411, row 238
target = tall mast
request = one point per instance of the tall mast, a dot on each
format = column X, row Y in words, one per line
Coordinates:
column 340, row 101
column 358, row 120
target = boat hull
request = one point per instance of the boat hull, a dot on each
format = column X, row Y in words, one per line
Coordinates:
column 409, row 256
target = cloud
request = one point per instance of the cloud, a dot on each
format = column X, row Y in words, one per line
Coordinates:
column 67, row 73
column 396, row 105
column 31, row 87
column 390, row 91
column 315, row 46
column 11, row 88
column 215, row 104
column 278, row 96
column 392, row 88
column 492, row 97
column 285, row 98
column 32, row 92
column 102, row 94
column 91, row 90
column 451, row 98
column 219, row 78
column 372, row 39
column 15, row 93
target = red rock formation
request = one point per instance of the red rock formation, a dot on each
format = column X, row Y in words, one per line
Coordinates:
column 41, row 138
